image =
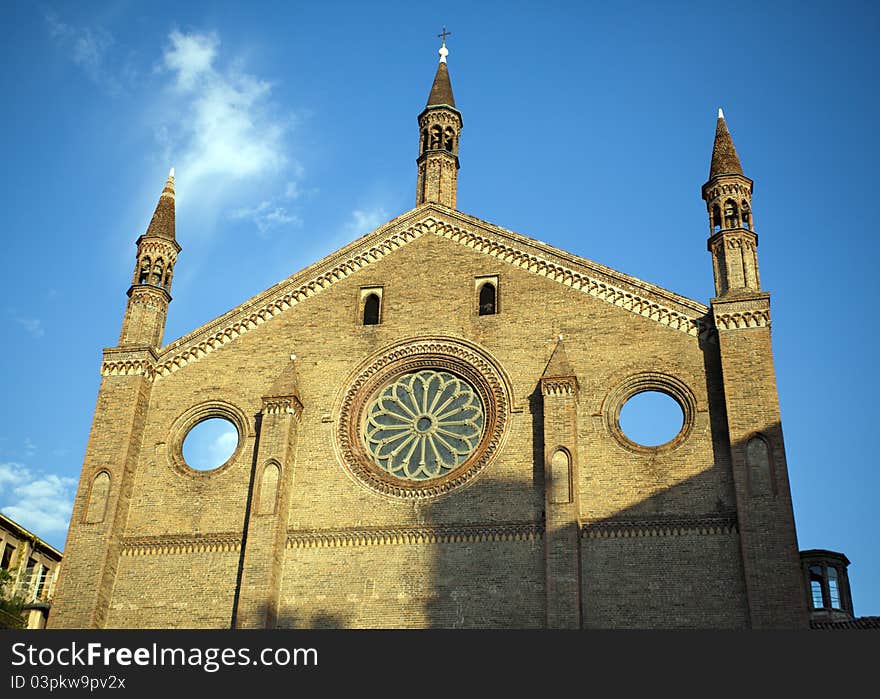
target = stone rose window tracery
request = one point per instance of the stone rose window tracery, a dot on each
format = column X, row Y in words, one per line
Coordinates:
column 423, row 425
column 422, row 417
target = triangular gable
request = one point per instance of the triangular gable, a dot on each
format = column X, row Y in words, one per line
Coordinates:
column 644, row 299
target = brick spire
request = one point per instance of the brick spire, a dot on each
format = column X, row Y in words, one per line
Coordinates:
column 558, row 366
column 724, row 158
column 441, row 90
column 439, row 130
column 162, row 224
column 150, row 292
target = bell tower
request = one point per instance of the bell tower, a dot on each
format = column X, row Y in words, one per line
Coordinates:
column 741, row 318
column 439, row 130
column 150, row 291
column 728, row 196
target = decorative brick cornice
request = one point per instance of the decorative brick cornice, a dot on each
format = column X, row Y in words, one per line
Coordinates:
column 733, row 239
column 746, row 319
column 559, row 386
column 440, row 534
column 612, row 287
column 181, row 543
column 277, row 405
column 577, row 276
column 118, row 361
column 614, row 529
column 749, row 312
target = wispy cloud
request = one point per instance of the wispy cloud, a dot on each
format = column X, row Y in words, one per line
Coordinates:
column 33, row 326
column 365, row 220
column 41, row 502
column 266, row 216
column 88, row 48
column 228, row 129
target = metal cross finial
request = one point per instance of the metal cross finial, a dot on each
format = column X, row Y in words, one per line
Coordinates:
column 442, row 35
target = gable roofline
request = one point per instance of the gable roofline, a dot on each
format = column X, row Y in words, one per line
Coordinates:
column 618, row 289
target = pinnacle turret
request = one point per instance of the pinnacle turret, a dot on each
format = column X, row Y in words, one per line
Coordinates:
column 732, row 239
column 150, row 292
column 439, row 126
column 558, row 366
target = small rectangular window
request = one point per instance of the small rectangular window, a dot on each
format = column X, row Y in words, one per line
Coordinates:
column 41, row 582
column 8, row 552
column 833, row 588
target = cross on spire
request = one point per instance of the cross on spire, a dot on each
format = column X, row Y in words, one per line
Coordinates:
column 442, row 35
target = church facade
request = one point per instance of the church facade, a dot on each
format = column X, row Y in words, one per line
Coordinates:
column 443, row 449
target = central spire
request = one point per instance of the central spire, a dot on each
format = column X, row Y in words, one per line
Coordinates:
column 440, row 125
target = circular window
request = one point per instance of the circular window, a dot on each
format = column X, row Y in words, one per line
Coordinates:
column 651, row 418
column 650, row 412
column 210, row 444
column 423, row 417
column 423, row 425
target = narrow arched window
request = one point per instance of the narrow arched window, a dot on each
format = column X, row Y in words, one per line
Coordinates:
column 731, row 214
column 560, row 477
column 269, row 489
column 746, row 219
column 436, row 137
column 487, row 299
column 144, row 273
column 449, row 139
column 760, row 461
column 371, row 310
column 168, row 272
column 716, row 219
column 158, row 272
column 96, row 506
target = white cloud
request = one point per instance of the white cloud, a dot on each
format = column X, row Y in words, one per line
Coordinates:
column 40, row 502
column 365, row 220
column 266, row 215
column 226, row 129
column 190, row 56
column 33, row 326
column 87, row 47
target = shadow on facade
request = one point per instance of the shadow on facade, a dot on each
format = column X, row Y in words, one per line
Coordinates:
column 477, row 559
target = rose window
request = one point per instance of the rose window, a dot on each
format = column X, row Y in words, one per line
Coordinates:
column 423, row 425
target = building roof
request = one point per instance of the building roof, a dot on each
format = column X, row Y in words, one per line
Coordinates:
column 27, row 535
column 725, row 161
column 861, row 623
column 441, row 90
column 162, row 223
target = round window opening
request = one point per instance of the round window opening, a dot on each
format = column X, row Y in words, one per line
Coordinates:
column 651, row 418
column 423, row 425
column 210, row 444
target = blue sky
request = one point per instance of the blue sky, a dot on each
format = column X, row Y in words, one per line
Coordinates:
column 292, row 128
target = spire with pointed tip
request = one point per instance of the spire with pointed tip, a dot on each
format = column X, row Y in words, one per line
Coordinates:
column 150, row 292
column 286, row 384
column 558, row 366
column 732, row 239
column 725, row 161
column 162, row 223
column 441, row 90
column 440, row 125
